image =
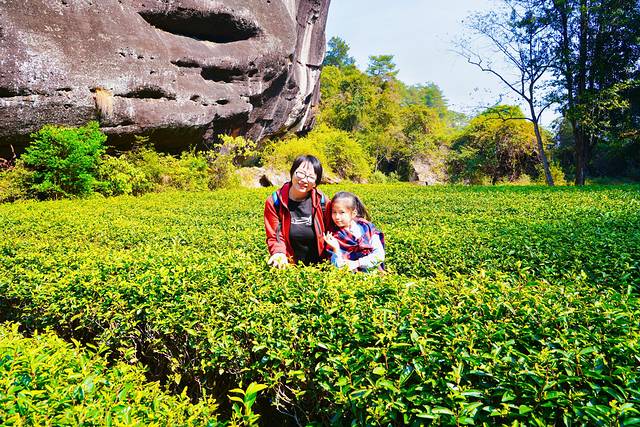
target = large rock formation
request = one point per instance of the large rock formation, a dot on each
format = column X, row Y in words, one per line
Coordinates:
column 182, row 70
column 429, row 170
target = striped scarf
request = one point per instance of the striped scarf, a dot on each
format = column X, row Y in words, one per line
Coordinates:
column 354, row 248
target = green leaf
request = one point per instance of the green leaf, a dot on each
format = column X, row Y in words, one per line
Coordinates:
column 442, row 411
column 524, row 409
column 508, row 396
column 380, row 370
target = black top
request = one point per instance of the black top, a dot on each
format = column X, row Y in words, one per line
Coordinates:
column 301, row 232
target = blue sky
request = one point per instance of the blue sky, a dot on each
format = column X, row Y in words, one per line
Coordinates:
column 420, row 34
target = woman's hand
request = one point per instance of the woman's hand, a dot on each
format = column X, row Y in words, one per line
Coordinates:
column 278, row 260
column 332, row 242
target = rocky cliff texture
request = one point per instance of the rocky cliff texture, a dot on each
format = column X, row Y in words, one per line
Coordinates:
column 180, row 70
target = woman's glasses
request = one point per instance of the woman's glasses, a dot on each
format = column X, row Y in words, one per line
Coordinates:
column 303, row 176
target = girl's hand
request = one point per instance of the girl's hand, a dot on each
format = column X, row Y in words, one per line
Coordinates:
column 331, row 241
column 353, row 265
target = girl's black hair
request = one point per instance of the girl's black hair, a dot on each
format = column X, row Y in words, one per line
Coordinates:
column 355, row 203
column 317, row 166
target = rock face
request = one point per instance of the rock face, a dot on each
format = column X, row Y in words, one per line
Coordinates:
column 181, row 70
column 425, row 171
column 255, row 177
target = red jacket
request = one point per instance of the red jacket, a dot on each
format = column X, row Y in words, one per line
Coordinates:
column 277, row 221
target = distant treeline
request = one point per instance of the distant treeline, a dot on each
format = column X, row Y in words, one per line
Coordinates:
column 597, row 136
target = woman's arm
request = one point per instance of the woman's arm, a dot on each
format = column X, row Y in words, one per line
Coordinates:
column 273, row 229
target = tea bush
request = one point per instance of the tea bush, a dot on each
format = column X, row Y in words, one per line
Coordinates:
column 47, row 381
column 503, row 305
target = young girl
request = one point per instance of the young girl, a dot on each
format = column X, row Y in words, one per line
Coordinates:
column 353, row 240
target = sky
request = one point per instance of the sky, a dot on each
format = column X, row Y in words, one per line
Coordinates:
column 421, row 35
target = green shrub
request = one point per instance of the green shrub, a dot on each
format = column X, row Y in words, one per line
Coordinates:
column 46, row 381
column 338, row 152
column 117, row 176
column 154, row 166
column 144, row 170
column 393, row 177
column 190, row 172
column 523, row 179
column 345, row 155
column 224, row 161
column 281, row 154
column 243, row 151
column 378, row 177
column 556, row 173
column 222, row 172
column 70, row 161
column 64, row 160
column 15, row 183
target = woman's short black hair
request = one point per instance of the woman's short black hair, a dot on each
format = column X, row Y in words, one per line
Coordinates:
column 317, row 166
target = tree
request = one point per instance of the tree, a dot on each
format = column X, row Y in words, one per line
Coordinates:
column 373, row 107
column 492, row 147
column 597, row 49
column 431, row 95
column 611, row 117
column 338, row 54
column 382, row 67
column 522, row 40
column 347, row 98
column 428, row 94
column 421, row 126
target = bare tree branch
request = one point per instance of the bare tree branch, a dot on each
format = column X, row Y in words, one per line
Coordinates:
column 478, row 63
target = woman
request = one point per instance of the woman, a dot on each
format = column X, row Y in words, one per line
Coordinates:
column 294, row 216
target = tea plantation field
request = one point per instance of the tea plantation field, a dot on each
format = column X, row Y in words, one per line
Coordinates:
column 502, row 305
